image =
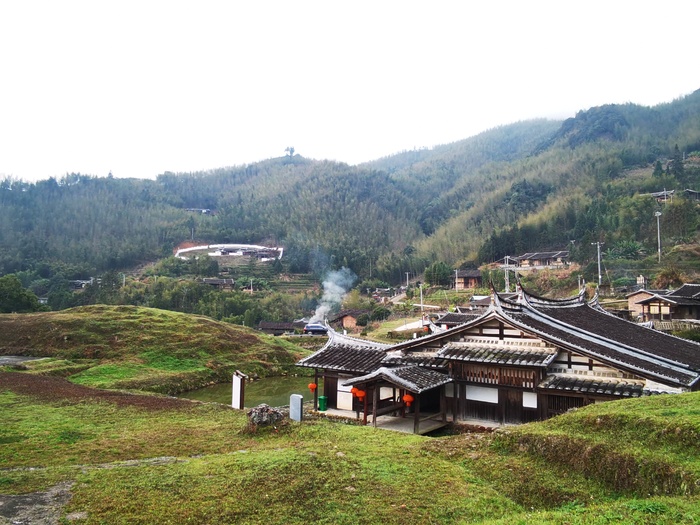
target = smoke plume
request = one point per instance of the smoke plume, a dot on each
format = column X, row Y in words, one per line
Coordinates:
column 336, row 285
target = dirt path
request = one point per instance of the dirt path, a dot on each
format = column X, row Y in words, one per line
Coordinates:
column 55, row 388
column 37, row 508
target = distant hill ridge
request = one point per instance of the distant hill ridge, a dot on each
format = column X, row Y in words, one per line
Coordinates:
column 543, row 183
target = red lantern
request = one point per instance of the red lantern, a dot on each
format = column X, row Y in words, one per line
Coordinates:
column 408, row 399
column 353, row 391
column 312, row 387
column 360, row 394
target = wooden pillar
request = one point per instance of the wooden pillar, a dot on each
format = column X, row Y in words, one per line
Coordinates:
column 364, row 402
column 375, row 402
column 501, row 405
column 416, row 415
column 443, row 404
column 316, row 389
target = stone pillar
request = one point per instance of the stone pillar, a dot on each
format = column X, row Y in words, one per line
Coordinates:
column 296, row 407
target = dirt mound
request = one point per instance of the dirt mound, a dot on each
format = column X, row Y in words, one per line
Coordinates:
column 56, row 388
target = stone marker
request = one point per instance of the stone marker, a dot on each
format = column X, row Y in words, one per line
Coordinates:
column 238, row 393
column 296, row 407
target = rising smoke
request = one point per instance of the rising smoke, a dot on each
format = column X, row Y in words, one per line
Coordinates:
column 336, row 285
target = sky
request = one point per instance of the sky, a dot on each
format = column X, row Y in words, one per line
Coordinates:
column 138, row 88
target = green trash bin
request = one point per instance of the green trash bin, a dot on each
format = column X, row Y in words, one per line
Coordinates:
column 322, row 403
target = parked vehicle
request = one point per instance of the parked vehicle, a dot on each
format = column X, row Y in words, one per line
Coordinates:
column 315, row 329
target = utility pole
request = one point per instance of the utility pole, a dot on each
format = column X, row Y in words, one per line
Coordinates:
column 456, row 272
column 658, row 231
column 407, row 280
column 600, row 276
column 421, row 299
column 506, row 267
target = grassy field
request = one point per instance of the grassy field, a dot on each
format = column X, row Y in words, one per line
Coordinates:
column 129, row 459
column 143, row 349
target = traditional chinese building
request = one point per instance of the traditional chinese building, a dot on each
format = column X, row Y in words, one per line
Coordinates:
column 523, row 359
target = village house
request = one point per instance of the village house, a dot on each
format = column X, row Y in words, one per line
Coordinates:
column 221, row 284
column 636, row 310
column 521, row 360
column 467, row 279
column 683, row 303
column 280, row 328
column 347, row 319
column 541, row 260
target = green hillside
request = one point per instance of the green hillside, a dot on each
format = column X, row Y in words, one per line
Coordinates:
column 532, row 185
column 129, row 459
column 137, row 348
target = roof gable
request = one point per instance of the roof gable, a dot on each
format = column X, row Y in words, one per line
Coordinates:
column 413, row 378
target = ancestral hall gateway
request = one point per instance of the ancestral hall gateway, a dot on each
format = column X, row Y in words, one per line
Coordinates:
column 524, row 359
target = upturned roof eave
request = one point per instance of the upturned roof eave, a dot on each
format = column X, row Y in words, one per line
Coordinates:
column 680, row 368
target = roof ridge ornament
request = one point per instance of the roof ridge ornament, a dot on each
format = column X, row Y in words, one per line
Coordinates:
column 519, row 289
column 495, row 302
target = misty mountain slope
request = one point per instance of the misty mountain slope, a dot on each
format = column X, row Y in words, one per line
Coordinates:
column 455, row 203
column 593, row 157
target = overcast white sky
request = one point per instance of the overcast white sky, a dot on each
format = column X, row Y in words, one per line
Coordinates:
column 143, row 87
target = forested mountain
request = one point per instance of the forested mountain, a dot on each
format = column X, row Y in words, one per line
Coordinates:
column 527, row 186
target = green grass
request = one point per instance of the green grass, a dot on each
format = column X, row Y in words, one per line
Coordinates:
column 641, row 447
column 136, row 348
column 199, row 464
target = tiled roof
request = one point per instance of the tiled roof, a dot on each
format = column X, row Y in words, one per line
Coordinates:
column 413, row 378
column 649, row 341
column 512, row 355
column 348, row 354
column 541, row 255
column 455, row 318
column 598, row 386
column 419, row 358
column 469, row 273
column 619, row 342
column 345, row 357
column 687, row 290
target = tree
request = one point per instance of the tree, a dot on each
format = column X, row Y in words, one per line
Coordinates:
column 438, row 273
column 14, row 298
column 677, row 169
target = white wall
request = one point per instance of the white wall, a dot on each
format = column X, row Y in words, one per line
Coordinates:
column 481, row 393
column 529, row 400
column 344, row 395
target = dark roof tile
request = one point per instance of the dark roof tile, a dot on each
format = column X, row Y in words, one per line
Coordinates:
column 413, row 378
column 345, row 357
column 511, row 355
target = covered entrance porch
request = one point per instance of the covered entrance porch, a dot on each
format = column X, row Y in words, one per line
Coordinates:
column 405, row 399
